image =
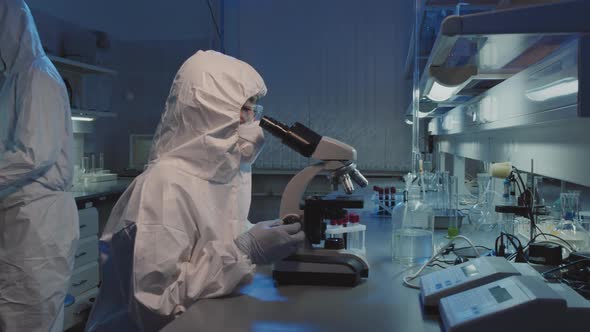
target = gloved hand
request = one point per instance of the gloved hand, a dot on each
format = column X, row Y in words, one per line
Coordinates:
column 270, row 241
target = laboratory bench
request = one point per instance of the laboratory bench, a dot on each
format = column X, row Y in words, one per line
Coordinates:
column 379, row 303
column 99, row 191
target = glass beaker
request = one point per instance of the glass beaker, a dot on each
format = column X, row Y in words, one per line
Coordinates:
column 570, row 226
column 538, row 184
column 427, row 163
column 443, row 191
column 570, row 205
column 413, row 243
column 93, row 165
column 483, row 213
column 84, row 170
column 100, row 162
column 569, row 213
column 85, row 167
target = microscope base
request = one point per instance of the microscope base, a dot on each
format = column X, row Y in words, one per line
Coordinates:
column 321, row 267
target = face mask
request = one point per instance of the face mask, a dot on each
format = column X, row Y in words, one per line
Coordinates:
column 250, row 141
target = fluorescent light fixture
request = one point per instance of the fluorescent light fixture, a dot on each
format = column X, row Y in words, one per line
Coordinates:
column 439, row 92
column 563, row 87
column 410, row 122
column 82, row 118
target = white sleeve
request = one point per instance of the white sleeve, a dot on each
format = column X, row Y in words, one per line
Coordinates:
column 166, row 279
column 35, row 144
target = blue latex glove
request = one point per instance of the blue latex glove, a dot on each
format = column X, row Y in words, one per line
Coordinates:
column 270, row 241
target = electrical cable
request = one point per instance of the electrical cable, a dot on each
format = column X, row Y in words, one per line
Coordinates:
column 448, row 262
column 462, row 248
column 563, row 243
column 514, row 237
column 555, row 236
column 525, row 249
column 529, row 207
column 437, row 265
column 566, row 265
column 540, row 232
column 410, row 277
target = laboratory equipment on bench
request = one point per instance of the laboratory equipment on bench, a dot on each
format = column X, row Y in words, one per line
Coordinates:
column 482, row 213
column 89, row 173
column 384, row 200
column 315, row 264
column 516, row 303
column 468, row 275
column 448, row 216
column 350, row 230
column 413, row 242
column 570, row 226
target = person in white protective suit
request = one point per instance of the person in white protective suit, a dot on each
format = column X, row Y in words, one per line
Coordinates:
column 38, row 218
column 178, row 233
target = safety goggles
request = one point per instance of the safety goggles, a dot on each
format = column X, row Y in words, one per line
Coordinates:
column 250, row 113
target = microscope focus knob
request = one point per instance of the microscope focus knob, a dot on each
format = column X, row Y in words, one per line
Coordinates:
column 291, row 219
column 334, row 243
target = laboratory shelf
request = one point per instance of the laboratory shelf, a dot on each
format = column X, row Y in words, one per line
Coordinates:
column 476, row 53
column 92, row 114
column 79, row 67
column 432, row 12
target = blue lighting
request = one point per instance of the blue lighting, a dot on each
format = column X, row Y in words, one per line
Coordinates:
column 263, row 289
column 267, row 326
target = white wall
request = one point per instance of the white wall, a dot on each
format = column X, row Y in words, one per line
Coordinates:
column 334, row 65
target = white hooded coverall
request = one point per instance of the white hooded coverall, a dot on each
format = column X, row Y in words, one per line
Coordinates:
column 170, row 238
column 38, row 218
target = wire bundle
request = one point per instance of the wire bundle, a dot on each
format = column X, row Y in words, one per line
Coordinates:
column 407, row 279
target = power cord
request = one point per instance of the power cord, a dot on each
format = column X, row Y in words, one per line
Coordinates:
column 501, row 248
column 564, row 266
column 407, row 279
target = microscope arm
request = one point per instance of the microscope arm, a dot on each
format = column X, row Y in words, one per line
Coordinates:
column 296, row 187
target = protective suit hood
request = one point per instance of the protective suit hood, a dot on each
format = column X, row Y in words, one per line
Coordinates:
column 19, row 41
column 202, row 116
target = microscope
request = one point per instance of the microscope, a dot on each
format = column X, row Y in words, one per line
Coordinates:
column 312, row 264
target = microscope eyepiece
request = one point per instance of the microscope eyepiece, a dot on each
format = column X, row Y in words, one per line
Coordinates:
column 275, row 127
column 298, row 137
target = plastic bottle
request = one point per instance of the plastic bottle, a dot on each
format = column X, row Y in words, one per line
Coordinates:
column 413, row 243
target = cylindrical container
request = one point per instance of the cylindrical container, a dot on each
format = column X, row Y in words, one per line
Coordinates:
column 427, row 162
column 413, row 242
column 483, row 213
column 570, row 206
column 538, row 181
column 85, row 165
column 92, row 163
column 101, row 161
column 453, row 207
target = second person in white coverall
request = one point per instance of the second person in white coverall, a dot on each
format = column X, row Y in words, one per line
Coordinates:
column 38, row 217
column 177, row 234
